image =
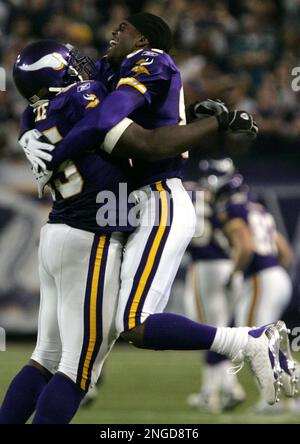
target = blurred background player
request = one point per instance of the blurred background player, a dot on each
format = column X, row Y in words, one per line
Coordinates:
column 206, row 296
column 239, row 236
column 258, row 250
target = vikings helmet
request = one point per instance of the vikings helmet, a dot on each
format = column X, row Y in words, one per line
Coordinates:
column 220, row 176
column 46, row 66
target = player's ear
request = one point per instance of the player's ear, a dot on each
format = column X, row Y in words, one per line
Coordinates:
column 142, row 42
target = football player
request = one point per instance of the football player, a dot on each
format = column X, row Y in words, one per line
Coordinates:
column 261, row 253
column 79, row 260
column 205, row 295
column 146, row 86
column 163, row 331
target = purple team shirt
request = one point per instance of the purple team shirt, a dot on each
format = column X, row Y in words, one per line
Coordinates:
column 262, row 226
column 77, row 182
column 148, row 89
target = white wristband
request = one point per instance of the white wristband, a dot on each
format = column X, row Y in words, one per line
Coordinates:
column 114, row 135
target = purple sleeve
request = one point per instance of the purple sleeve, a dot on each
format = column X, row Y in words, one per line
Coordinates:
column 91, row 130
column 231, row 211
column 236, row 211
column 27, row 120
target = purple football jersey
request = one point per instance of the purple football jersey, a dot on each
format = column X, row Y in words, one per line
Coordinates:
column 153, row 74
column 76, row 184
column 262, row 226
column 210, row 243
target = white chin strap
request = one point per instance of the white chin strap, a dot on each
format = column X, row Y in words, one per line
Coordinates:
column 61, row 89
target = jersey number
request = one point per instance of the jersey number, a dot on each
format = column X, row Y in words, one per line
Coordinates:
column 69, row 182
column 41, row 111
column 263, row 229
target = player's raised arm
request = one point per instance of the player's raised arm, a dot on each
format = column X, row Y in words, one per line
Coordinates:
column 233, row 220
column 142, row 77
column 134, row 141
column 91, row 130
column 107, row 122
column 160, row 143
column 240, row 238
column 125, row 138
column 140, row 81
column 139, row 84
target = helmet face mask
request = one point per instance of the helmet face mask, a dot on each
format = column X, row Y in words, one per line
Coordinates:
column 220, row 177
column 80, row 67
column 45, row 67
column 232, row 186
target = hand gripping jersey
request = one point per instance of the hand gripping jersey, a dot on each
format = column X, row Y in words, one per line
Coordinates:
column 153, row 74
column 209, row 242
column 262, row 226
column 76, row 183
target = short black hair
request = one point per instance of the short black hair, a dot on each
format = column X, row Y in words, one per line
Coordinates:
column 154, row 28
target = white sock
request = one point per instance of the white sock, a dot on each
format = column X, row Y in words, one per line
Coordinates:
column 229, row 341
column 211, row 379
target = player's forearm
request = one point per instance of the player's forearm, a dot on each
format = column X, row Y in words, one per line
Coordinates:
column 75, row 143
column 91, row 130
column 240, row 238
column 164, row 142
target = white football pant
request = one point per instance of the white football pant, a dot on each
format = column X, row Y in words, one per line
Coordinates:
column 205, row 299
column 80, row 280
column 154, row 251
column 264, row 297
column 80, row 312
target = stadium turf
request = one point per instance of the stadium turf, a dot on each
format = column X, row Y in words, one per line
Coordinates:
column 147, row 387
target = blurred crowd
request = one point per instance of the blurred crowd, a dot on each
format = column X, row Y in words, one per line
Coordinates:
column 242, row 51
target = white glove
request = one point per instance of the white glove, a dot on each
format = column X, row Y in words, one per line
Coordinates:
column 35, row 150
column 42, row 178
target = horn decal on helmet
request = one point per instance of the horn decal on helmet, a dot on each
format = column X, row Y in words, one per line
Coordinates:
column 54, row 61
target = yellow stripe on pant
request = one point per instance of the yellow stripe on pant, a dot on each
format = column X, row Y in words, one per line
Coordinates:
column 93, row 311
column 152, row 254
